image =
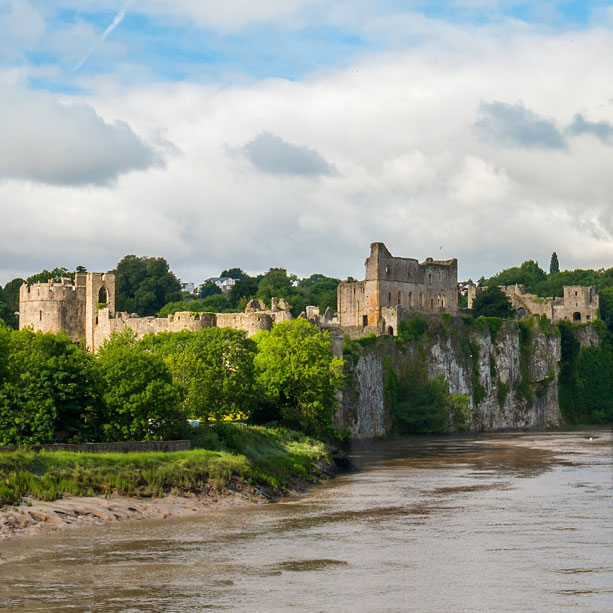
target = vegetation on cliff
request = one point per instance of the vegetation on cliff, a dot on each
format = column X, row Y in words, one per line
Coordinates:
column 225, row 454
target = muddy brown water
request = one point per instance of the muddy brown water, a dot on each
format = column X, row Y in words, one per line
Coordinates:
column 515, row 522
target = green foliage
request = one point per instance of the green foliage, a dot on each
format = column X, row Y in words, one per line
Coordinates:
column 298, row 373
column 46, row 275
column 370, row 340
column 214, row 367
column 493, row 324
column 49, row 389
column 462, row 300
column 276, row 284
column 502, row 392
column 209, row 289
column 234, row 273
column 529, row 274
column 446, row 319
column 554, row 265
column 470, row 349
column 460, row 410
column 216, row 303
column 317, row 290
column 524, row 388
column 141, row 401
column 412, row 330
column 417, row 405
column 492, row 303
column 144, row 285
column 245, row 288
column 9, row 303
column 585, row 383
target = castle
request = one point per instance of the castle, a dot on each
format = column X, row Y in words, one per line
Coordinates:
column 393, row 290
column 85, row 309
column 579, row 303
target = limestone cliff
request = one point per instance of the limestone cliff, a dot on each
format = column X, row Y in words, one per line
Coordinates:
column 509, row 373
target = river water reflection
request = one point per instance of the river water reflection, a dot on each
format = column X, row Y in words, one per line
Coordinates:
column 515, row 522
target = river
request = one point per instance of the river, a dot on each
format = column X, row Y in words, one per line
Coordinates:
column 507, row 522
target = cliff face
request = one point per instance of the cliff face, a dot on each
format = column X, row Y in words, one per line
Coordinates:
column 509, row 375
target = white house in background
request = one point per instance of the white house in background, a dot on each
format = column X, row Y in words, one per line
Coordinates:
column 223, row 283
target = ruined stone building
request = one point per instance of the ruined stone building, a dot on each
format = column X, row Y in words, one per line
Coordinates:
column 579, row 303
column 85, row 309
column 395, row 288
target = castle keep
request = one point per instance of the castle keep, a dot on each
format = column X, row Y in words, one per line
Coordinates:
column 394, row 288
column 85, row 309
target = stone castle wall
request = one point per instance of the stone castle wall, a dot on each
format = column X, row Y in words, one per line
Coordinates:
column 85, row 309
column 579, row 304
column 403, row 284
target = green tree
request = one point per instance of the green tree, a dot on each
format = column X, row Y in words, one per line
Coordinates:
column 318, row 290
column 45, row 275
column 492, row 303
column 299, row 375
column 209, row 289
column 234, row 273
column 554, row 265
column 49, row 389
column 245, row 288
column 215, row 368
column 9, row 303
column 529, row 274
column 276, row 283
column 142, row 403
column 144, row 285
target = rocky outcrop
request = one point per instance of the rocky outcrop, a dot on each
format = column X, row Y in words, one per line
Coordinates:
column 509, row 375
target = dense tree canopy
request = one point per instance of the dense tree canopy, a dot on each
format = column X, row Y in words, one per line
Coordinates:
column 215, row 368
column 49, row 389
column 492, row 303
column 299, row 375
column 140, row 399
column 144, row 285
column 208, row 289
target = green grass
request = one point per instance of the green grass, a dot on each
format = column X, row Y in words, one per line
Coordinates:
column 258, row 455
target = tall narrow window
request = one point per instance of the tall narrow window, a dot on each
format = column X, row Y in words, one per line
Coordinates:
column 399, row 298
column 410, row 299
column 389, row 298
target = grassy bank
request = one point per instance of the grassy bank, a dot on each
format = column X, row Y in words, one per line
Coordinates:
column 273, row 458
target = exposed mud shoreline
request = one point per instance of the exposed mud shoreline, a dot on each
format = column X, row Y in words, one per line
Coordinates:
column 73, row 511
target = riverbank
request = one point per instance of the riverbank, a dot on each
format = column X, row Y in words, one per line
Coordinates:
column 46, row 491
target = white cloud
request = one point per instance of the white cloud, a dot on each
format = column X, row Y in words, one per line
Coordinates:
column 398, row 129
column 49, row 142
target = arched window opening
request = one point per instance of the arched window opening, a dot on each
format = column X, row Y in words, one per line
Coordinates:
column 429, row 279
column 387, row 271
column 410, row 299
column 443, row 301
column 421, row 299
column 103, row 297
column 432, row 304
column 390, row 331
column 40, row 316
column 576, row 316
column 389, row 298
column 364, row 320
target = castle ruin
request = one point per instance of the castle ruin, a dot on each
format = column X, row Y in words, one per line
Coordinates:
column 395, row 288
column 579, row 303
column 85, row 309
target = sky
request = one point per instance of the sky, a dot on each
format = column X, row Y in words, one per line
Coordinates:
column 294, row 133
